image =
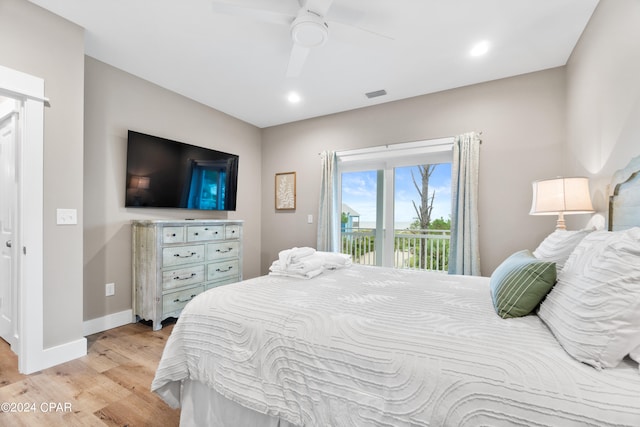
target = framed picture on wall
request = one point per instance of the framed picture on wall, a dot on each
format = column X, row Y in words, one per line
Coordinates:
column 285, row 191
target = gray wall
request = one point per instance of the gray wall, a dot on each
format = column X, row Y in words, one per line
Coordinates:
column 36, row 42
column 522, row 120
column 115, row 102
column 603, row 96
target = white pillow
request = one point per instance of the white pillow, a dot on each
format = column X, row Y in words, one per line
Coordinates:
column 596, row 222
column 594, row 309
column 557, row 246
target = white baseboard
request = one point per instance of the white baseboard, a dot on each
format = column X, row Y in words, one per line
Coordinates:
column 72, row 350
column 63, row 353
column 109, row 321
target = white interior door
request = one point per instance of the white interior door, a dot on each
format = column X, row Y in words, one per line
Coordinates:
column 8, row 208
column 27, row 92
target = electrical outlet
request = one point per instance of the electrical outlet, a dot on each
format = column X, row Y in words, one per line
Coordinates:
column 109, row 289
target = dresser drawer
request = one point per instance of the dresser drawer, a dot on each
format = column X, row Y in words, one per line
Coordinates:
column 205, row 232
column 222, row 270
column 175, row 301
column 223, row 250
column 172, row 235
column 178, row 255
column 227, row 281
column 232, row 232
column 182, row 277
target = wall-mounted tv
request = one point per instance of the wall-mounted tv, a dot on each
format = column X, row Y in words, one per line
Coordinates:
column 162, row 173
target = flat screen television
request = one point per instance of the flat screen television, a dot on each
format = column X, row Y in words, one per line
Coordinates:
column 162, row 173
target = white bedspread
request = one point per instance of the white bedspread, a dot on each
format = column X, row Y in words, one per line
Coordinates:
column 373, row 346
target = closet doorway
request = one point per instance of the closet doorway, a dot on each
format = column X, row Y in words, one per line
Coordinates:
column 8, row 210
column 21, row 216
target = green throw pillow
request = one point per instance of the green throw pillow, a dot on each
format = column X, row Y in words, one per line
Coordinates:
column 520, row 283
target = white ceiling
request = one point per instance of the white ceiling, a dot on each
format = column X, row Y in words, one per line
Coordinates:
column 237, row 65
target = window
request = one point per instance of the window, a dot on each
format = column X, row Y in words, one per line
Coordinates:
column 380, row 191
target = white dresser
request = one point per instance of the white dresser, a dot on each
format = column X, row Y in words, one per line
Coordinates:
column 173, row 261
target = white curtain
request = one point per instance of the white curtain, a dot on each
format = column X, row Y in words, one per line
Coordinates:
column 328, row 214
column 464, row 255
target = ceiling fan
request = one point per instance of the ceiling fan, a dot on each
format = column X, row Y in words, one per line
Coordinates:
column 306, row 19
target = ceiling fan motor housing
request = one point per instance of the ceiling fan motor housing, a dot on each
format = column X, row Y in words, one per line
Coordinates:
column 309, row 29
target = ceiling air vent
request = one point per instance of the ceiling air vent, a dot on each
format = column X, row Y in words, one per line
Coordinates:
column 376, row 93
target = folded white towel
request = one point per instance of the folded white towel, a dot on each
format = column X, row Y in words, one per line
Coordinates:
column 307, row 262
column 307, row 272
column 334, row 260
column 290, row 256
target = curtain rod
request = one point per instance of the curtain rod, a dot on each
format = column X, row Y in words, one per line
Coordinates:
column 406, row 142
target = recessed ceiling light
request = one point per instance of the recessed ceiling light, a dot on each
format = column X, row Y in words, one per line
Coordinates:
column 293, row 97
column 480, row 48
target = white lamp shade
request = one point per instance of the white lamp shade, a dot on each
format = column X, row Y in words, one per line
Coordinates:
column 561, row 195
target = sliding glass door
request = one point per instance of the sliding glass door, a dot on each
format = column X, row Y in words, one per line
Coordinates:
column 422, row 216
column 396, row 213
column 361, row 226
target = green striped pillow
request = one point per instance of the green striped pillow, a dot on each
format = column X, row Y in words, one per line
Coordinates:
column 520, row 283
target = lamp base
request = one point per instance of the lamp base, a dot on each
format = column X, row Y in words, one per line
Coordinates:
column 560, row 225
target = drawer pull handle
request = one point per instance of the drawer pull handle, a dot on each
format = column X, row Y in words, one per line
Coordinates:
column 185, row 277
column 220, row 251
column 184, row 256
column 195, row 234
column 224, row 271
column 184, row 300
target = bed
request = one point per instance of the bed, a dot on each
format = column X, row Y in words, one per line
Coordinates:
column 361, row 346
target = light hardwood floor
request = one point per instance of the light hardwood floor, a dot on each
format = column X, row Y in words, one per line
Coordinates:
column 110, row 386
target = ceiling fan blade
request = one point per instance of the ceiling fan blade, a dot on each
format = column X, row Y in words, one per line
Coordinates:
column 349, row 21
column 256, row 14
column 355, row 33
column 296, row 60
column 321, row 7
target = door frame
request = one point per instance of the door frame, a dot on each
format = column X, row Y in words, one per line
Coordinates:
column 9, row 118
column 28, row 241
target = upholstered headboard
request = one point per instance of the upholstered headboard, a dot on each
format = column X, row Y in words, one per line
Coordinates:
column 624, row 197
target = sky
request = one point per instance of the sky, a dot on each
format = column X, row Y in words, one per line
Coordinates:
column 359, row 192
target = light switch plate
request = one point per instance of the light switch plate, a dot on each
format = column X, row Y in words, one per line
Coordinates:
column 109, row 289
column 66, row 216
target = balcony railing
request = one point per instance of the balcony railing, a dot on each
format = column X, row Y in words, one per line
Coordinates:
column 413, row 249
